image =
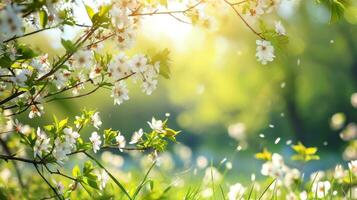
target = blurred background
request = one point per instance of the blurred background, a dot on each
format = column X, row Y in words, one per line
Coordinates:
column 226, row 103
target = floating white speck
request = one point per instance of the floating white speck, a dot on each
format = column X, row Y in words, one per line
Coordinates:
column 271, row 126
column 282, row 85
column 282, row 114
column 229, row 165
column 332, row 41
column 167, row 114
column 288, row 142
column 261, row 135
column 334, row 193
column 223, row 160
column 325, row 143
column 239, row 148
column 277, row 140
column 298, row 62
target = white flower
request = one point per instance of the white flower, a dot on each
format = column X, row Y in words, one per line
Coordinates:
column 136, row 136
column 149, row 86
column 103, row 179
column 279, row 28
column 201, row 162
column 321, row 188
column 42, row 143
column 61, row 150
column 21, row 76
column 19, row 127
column 41, row 65
column 36, row 111
column 120, row 92
column 96, row 120
column 156, row 125
column 237, row 131
column 339, row 172
column 303, row 195
column 82, row 60
column 10, row 22
column 139, row 63
column 119, row 67
column 317, row 176
column 120, row 17
column 353, row 167
column 120, row 139
column 212, row 173
column 236, row 191
column 70, row 136
column 275, row 168
column 291, row 176
column 349, row 133
column 265, row 51
column 291, row 196
column 60, row 78
column 96, row 142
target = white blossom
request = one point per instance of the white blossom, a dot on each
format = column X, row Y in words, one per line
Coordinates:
column 120, row 92
column 70, row 136
column 136, row 136
column 321, row 189
column 96, row 141
column 96, row 120
column 279, row 28
column 102, row 178
column 353, row 167
column 265, row 51
column 120, row 139
column 236, row 191
column 156, row 125
column 42, row 143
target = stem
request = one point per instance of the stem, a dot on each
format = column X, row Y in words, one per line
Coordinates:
column 48, row 183
column 10, row 157
column 18, row 172
column 143, row 181
column 110, row 175
column 244, row 21
column 168, row 12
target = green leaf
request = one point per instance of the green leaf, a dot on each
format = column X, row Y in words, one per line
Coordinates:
column 90, row 11
column 62, row 124
column 93, row 183
column 163, row 58
column 76, row 171
column 337, row 9
column 151, row 183
column 104, row 10
column 43, row 18
column 68, row 45
column 24, row 52
column 88, row 167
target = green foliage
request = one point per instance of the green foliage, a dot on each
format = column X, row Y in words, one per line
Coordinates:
column 163, row 57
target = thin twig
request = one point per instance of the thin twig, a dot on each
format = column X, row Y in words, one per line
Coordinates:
column 244, row 21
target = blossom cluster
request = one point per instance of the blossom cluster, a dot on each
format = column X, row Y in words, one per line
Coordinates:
column 30, row 78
